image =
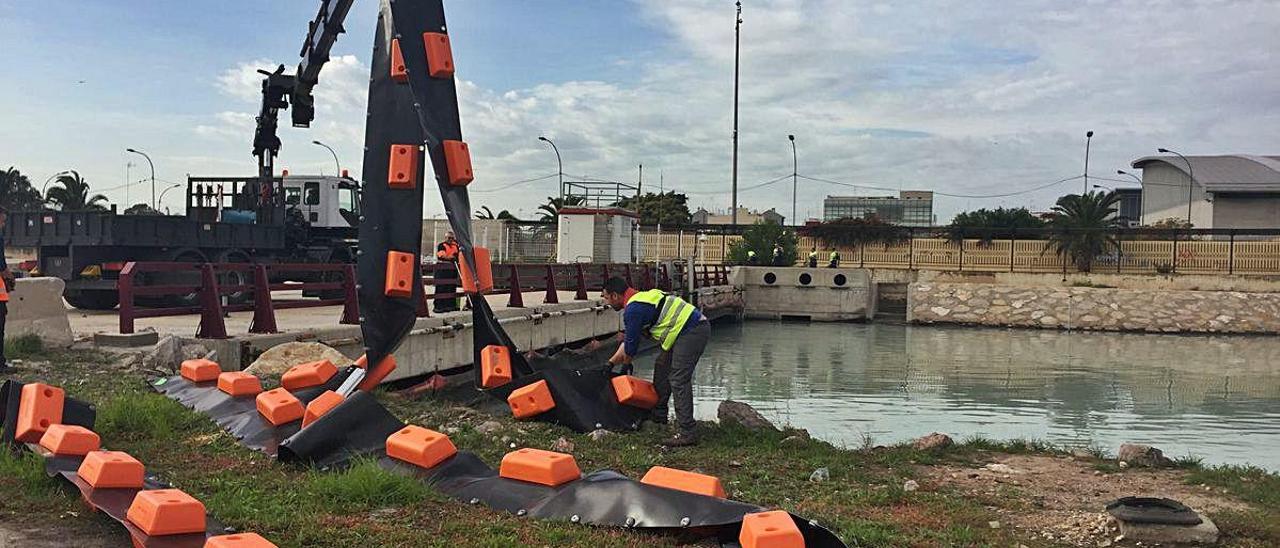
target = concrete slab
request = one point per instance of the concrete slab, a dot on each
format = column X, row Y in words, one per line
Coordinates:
column 126, row 340
column 36, row 307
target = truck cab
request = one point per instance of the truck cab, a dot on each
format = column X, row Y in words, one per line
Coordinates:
column 324, row 201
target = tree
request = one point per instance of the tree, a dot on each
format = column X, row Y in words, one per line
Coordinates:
column 551, row 209
column 999, row 223
column 853, row 232
column 667, row 208
column 484, row 213
column 761, row 238
column 16, row 192
column 71, row 193
column 140, row 209
column 1080, row 224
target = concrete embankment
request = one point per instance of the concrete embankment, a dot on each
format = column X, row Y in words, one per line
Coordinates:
column 1094, row 308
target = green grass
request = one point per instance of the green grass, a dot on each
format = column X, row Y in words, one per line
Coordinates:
column 23, row 347
column 365, row 486
column 144, row 416
column 26, row 471
column 1249, row 483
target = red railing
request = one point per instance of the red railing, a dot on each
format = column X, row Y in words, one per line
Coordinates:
column 201, row 282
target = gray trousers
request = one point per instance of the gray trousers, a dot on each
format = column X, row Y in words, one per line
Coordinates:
column 673, row 374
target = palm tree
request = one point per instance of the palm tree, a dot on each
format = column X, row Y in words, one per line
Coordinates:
column 16, row 192
column 551, row 209
column 1080, row 224
column 484, row 213
column 71, row 193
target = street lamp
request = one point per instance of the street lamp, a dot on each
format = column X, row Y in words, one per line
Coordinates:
column 794, row 170
column 1123, row 172
column 1106, row 188
column 737, row 41
column 559, row 166
column 153, row 174
column 1191, row 180
column 45, row 186
column 337, row 166
column 162, row 193
column 1088, row 138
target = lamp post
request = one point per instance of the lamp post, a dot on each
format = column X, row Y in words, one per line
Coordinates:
column 1106, row 188
column 45, row 186
column 1191, row 180
column 1088, row 139
column 1123, row 172
column 153, row 174
column 162, row 193
column 737, row 41
column 337, row 166
column 794, row 171
column 559, row 166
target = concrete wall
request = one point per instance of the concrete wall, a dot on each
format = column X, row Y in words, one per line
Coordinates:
column 1164, row 195
column 36, row 307
column 829, row 294
column 1088, row 308
column 1184, row 282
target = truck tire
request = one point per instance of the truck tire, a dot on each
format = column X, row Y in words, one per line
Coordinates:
column 235, row 277
column 185, row 255
column 93, row 299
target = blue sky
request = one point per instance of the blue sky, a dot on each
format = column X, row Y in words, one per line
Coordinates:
column 982, row 98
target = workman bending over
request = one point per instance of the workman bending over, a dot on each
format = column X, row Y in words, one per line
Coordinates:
column 447, row 254
column 680, row 330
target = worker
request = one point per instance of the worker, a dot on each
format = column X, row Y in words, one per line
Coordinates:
column 680, row 330
column 777, row 255
column 813, row 258
column 447, row 269
column 6, row 285
column 835, row 259
column 751, row 257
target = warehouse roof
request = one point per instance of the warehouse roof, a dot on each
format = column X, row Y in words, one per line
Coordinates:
column 1226, row 173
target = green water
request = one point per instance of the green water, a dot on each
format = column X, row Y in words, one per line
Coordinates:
column 1217, row 398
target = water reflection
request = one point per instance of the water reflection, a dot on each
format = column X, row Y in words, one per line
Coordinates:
column 1213, row 397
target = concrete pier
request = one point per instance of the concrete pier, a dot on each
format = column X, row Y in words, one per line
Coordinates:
column 816, row 294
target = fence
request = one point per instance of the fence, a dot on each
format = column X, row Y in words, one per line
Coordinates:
column 213, row 289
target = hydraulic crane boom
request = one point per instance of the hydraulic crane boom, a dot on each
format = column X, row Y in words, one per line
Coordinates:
column 279, row 90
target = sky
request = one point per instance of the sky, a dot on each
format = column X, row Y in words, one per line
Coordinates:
column 985, row 102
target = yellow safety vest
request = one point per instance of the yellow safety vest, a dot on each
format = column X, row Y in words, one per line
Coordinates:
column 673, row 313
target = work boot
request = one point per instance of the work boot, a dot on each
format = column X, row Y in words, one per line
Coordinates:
column 683, row 439
column 656, row 418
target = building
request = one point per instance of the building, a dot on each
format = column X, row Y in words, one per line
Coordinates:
column 909, row 208
column 745, row 217
column 1129, row 212
column 1227, row 191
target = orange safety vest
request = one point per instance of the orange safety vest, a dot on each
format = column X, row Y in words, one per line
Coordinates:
column 4, row 292
column 449, row 253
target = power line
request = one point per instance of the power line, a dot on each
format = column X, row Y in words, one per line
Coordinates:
column 946, row 194
column 514, row 184
column 742, row 189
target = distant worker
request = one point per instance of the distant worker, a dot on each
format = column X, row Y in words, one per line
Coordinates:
column 680, row 330
column 447, row 269
column 835, row 259
column 813, row 258
column 6, row 285
column 751, row 257
column 777, row 255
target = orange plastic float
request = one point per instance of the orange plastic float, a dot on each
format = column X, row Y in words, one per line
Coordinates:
column 538, row 466
column 531, row 400
column 420, row 446
column 680, row 480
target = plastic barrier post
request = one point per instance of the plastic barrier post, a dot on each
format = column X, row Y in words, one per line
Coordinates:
column 516, row 300
column 350, row 302
column 582, row 284
column 211, row 324
column 264, row 315
column 553, row 295
column 125, row 287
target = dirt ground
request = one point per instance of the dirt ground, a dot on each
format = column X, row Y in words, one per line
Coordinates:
column 1067, row 496
column 58, row 535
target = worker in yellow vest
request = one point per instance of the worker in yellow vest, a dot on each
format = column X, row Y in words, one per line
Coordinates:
column 813, row 258
column 681, row 331
column 6, row 284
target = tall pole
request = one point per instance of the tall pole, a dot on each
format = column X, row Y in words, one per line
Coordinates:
column 1191, row 181
column 153, row 175
column 337, row 166
column 794, row 171
column 1088, row 138
column 737, row 41
column 559, row 166
column 128, row 168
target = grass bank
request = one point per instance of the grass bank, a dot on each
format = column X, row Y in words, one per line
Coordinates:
column 867, row 499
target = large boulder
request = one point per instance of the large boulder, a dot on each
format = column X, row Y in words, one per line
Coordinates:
column 737, row 412
column 936, row 440
column 1136, row 454
column 278, row 359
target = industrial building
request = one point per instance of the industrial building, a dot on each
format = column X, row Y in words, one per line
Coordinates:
column 909, row 208
column 1226, row 191
column 745, row 217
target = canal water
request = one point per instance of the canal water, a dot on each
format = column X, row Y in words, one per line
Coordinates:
column 1217, row 398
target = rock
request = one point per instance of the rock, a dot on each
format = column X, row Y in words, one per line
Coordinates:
column 1000, row 468
column 599, row 434
column 820, row 475
column 562, row 445
column 933, row 441
column 910, row 486
column 278, row 359
column 194, row 351
column 1123, row 465
column 792, row 440
column 1142, row 455
column 166, row 356
column 993, row 524
column 128, row 362
column 491, row 427
column 1177, row 535
column 737, row 412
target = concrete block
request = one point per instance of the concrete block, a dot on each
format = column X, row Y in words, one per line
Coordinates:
column 126, row 340
column 820, row 294
column 36, row 308
column 1176, row 535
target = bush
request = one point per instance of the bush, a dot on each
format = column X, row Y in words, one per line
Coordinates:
column 761, row 238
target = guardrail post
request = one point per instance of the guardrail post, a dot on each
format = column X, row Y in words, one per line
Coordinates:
column 553, row 295
column 351, row 302
column 211, row 322
column 1231, row 253
column 125, row 287
column 264, row 315
column 582, row 284
column 516, row 299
